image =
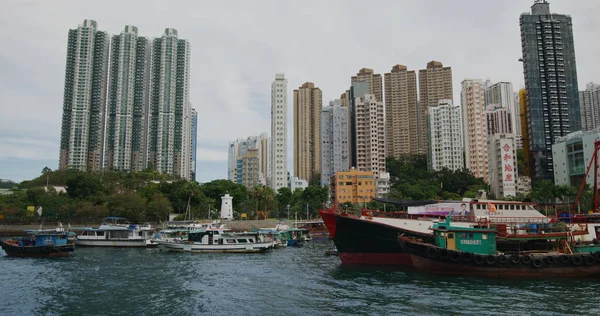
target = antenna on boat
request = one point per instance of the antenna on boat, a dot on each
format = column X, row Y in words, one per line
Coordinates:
column 593, row 161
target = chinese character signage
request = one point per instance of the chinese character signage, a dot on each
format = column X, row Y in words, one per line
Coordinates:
column 508, row 180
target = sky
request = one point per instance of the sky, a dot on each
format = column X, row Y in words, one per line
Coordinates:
column 238, row 47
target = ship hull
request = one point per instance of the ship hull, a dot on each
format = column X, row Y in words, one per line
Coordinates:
column 12, row 249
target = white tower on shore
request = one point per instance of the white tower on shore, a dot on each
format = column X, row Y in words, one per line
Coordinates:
column 226, row 207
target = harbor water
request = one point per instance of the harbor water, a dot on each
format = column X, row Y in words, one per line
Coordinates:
column 290, row 281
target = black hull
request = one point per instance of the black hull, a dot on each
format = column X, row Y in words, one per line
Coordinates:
column 40, row 252
column 354, row 235
column 431, row 259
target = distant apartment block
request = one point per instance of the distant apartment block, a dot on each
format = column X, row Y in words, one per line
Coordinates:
column 250, row 169
column 308, row 101
column 501, row 94
column 435, row 84
column 128, row 97
column 170, row 111
column 334, row 140
column 444, row 132
column 499, row 120
column 401, row 126
column 370, row 134
column 84, row 102
column 373, row 81
column 295, row 183
column 475, row 129
column 241, row 147
column 194, row 140
column 279, row 132
column 589, row 101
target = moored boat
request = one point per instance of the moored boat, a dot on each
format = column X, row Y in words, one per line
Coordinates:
column 116, row 232
column 218, row 240
column 46, row 243
column 472, row 251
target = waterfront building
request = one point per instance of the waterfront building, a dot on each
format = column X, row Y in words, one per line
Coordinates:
column 383, row 185
column 444, row 133
column 370, row 134
column 475, row 129
column 334, row 140
column 553, row 108
column 194, row 143
column 502, row 163
column 352, row 186
column 572, row 154
column 170, row 112
column 241, row 147
column 523, row 185
column 295, row 183
column 435, row 84
column 279, row 132
column 308, row 102
column 589, row 102
column 128, row 97
column 84, row 101
column 401, row 112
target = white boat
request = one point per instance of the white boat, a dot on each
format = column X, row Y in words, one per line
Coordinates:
column 218, row 240
column 116, row 232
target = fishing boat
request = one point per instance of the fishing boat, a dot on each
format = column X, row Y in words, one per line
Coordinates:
column 47, row 243
column 116, row 232
column 316, row 229
column 472, row 251
column 220, row 240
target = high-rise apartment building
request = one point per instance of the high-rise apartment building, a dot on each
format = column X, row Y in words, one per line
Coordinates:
column 475, row 129
column 435, row 84
column 502, row 160
column 308, row 101
column 334, row 140
column 589, row 101
column 279, row 172
column 499, row 120
column 370, row 134
column 401, row 112
column 250, row 167
column 82, row 131
column 242, row 146
column 502, row 93
column 194, row 143
column 373, row 81
column 170, row 112
column 444, row 134
column 550, row 83
column 128, row 96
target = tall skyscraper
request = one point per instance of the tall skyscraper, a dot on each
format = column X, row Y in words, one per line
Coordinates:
column 170, row 111
column 435, row 84
column 475, row 134
column 401, row 112
column 444, row 133
column 308, row 101
column 194, row 143
column 590, row 106
column 279, row 171
column 82, row 131
column 370, row 134
column 550, row 83
column 334, row 140
column 128, row 96
column 238, row 149
column 373, row 81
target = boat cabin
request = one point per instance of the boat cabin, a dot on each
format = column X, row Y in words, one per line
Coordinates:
column 44, row 238
column 467, row 239
column 218, row 237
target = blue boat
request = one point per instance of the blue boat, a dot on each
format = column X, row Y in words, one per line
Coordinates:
column 46, row 243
